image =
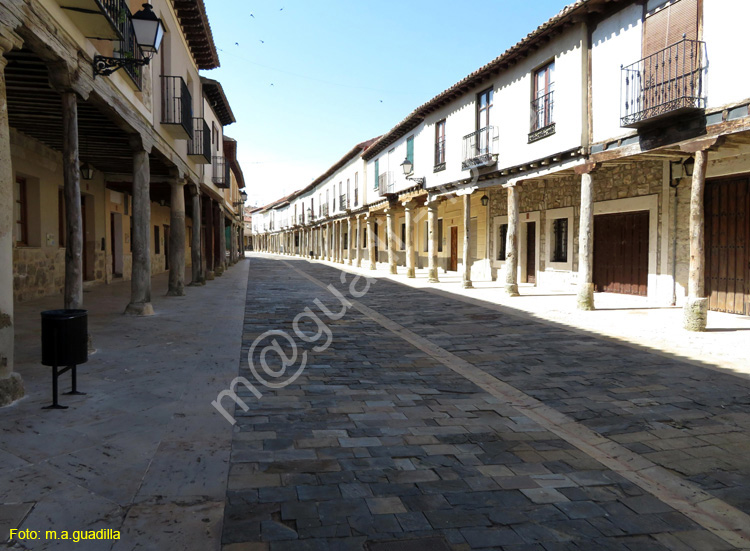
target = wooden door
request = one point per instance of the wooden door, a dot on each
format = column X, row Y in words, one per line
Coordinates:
column 621, row 253
column 727, row 204
column 531, row 252
column 454, row 249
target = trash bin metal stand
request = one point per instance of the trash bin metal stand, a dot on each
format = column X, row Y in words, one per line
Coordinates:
column 55, row 375
column 73, row 380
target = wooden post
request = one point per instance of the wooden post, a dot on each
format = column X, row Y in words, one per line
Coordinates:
column 195, row 244
column 11, row 384
column 73, row 294
column 208, row 210
column 220, row 243
column 177, row 238
column 511, row 243
column 695, row 311
column 432, row 243
column 349, row 258
column 466, row 279
column 410, row 255
column 371, row 237
column 390, row 224
column 586, row 240
column 359, row 242
column 140, row 285
column 341, row 241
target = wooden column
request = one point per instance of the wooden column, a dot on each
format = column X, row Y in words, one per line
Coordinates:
column 359, row 242
column 432, row 243
column 695, row 311
column 467, row 260
column 11, row 384
column 349, row 258
column 511, row 242
column 140, row 284
column 409, row 245
column 208, row 206
column 196, row 255
column 390, row 224
column 341, row 241
column 586, row 240
column 371, row 237
column 220, row 242
column 177, row 238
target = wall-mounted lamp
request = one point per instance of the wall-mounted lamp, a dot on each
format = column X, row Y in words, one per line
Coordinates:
column 87, row 171
column 485, row 200
column 687, row 166
column 408, row 168
column 149, row 30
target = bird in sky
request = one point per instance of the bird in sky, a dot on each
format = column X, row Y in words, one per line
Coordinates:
column 262, row 42
column 251, row 15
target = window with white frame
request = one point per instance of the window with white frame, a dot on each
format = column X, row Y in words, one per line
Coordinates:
column 559, row 238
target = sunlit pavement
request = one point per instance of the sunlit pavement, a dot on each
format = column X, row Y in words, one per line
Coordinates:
column 428, row 417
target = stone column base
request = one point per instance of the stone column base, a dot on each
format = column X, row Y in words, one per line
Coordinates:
column 11, row 389
column 176, row 292
column 372, row 266
column 393, row 270
column 198, row 283
column 511, row 289
column 210, row 276
column 219, row 271
column 695, row 314
column 467, row 285
column 586, row 296
column 410, row 272
column 139, row 309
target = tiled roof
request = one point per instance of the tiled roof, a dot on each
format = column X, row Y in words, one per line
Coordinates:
column 215, row 94
column 197, row 31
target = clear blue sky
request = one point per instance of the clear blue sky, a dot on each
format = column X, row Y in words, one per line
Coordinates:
column 309, row 80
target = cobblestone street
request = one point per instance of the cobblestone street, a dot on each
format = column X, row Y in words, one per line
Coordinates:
column 450, row 425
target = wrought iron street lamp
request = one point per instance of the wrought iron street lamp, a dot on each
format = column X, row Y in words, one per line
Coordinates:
column 148, row 30
column 408, row 168
column 485, row 200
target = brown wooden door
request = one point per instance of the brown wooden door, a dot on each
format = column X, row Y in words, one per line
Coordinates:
column 621, row 253
column 727, row 204
column 531, row 252
column 454, row 249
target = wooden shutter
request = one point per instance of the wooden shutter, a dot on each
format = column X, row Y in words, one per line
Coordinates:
column 666, row 25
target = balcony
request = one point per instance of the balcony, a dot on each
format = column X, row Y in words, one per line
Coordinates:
column 668, row 83
column 98, row 19
column 343, row 202
column 325, row 211
column 301, row 219
column 480, row 148
column 176, row 107
column 386, row 184
column 199, row 146
column 542, row 117
column 310, row 215
column 129, row 48
column 220, row 177
column 439, row 155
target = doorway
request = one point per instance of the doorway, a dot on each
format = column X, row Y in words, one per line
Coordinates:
column 115, row 234
column 166, row 247
column 453, row 266
column 621, row 253
column 531, row 252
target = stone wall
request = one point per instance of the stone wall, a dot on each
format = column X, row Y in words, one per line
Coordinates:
column 37, row 272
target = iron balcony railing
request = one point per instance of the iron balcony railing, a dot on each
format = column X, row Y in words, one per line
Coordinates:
column 665, row 83
column 176, row 104
column 220, row 176
column 117, row 12
column 129, row 48
column 343, row 202
column 439, row 155
column 200, row 144
column 480, row 147
column 542, row 117
column 386, row 184
column 310, row 214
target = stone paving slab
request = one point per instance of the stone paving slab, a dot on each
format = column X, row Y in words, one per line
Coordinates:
column 436, row 455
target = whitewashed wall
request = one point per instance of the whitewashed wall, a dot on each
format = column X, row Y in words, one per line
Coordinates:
column 724, row 25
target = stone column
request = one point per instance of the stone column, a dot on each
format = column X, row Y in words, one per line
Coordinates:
column 177, row 237
column 208, row 206
column 511, row 242
column 371, row 237
column 11, row 384
column 695, row 311
column 341, row 241
column 432, row 244
column 195, row 243
column 359, row 242
column 410, row 255
column 349, row 258
column 390, row 224
column 140, row 284
column 586, row 242
column 221, row 241
column 466, row 279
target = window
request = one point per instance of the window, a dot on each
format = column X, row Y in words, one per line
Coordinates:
column 560, row 240
column 403, row 237
column 440, row 145
column 440, row 235
column 377, row 173
column 502, row 240
column 356, row 189
column 542, row 104
column 484, row 110
column 21, row 214
column 410, row 150
column 157, row 250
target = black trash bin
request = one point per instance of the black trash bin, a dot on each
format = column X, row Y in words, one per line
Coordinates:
column 65, row 337
column 64, row 343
